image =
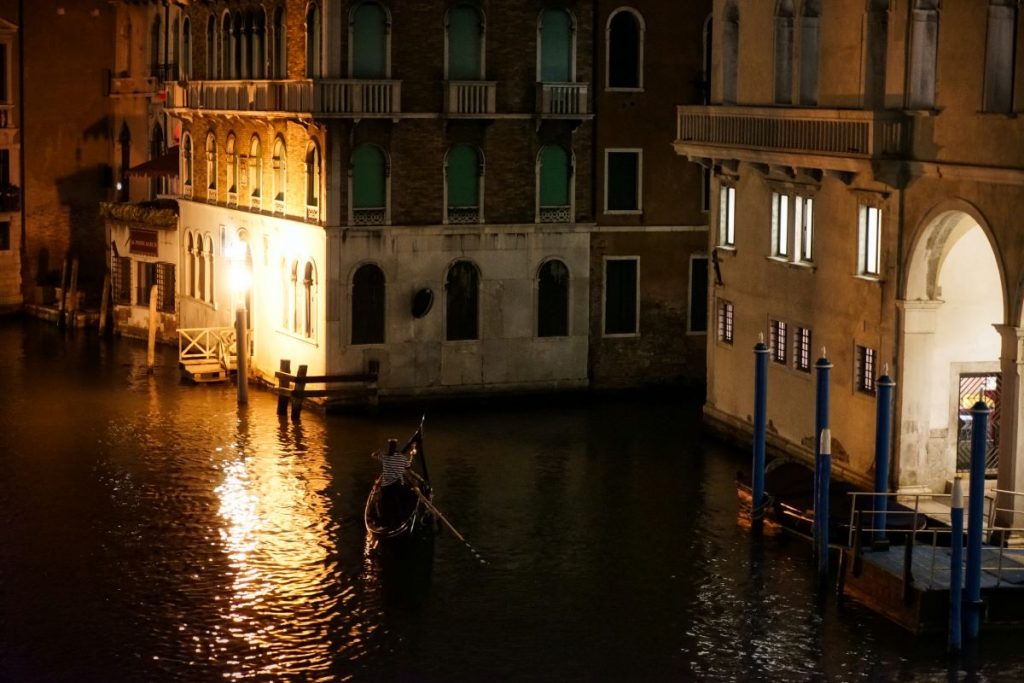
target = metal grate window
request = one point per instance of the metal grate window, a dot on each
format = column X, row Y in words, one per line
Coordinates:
column 865, row 370
column 777, row 342
column 802, row 349
column 725, row 322
column 165, row 283
column 122, row 280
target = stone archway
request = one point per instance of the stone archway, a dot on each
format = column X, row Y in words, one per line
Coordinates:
column 952, row 344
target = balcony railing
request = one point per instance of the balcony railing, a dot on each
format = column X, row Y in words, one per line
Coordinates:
column 337, row 96
column 843, row 133
column 463, row 215
column 313, row 214
column 555, row 214
column 470, row 98
column 562, row 99
column 373, row 216
column 357, row 96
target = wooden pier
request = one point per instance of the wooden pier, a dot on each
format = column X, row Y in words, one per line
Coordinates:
column 339, row 388
column 206, row 354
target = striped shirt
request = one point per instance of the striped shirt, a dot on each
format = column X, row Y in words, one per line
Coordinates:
column 394, row 465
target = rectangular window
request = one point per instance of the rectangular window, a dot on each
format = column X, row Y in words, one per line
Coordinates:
column 5, row 236
column 777, row 342
column 780, row 225
column 122, row 280
column 870, row 248
column 620, row 295
column 165, row 284
column 802, row 349
column 727, row 217
column 792, row 227
column 145, row 278
column 698, row 308
column 865, row 370
column 622, row 180
column 725, row 321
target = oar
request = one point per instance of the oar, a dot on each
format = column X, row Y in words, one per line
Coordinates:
column 440, row 515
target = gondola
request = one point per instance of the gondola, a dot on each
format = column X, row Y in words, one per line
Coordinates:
column 412, row 518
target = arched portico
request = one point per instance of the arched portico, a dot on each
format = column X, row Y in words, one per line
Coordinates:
column 953, row 348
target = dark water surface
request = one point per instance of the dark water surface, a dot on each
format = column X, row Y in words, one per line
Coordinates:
column 152, row 531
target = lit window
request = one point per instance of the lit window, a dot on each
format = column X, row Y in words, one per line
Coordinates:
column 792, row 227
column 780, row 225
column 725, row 321
column 865, row 370
column 802, row 349
column 727, row 216
column 870, row 247
column 777, row 342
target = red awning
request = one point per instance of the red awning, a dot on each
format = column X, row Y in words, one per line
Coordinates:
column 161, row 167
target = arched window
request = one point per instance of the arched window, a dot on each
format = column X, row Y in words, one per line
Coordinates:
column 211, row 164
column 625, row 50
column 730, row 51
column 554, row 185
column 255, row 171
column 313, row 179
column 999, row 55
column 369, row 35
column 463, row 181
column 186, row 159
column 369, row 185
column 227, row 47
column 200, row 285
column 784, row 52
column 313, row 51
column 208, row 295
column 462, row 298
column 186, row 49
column 557, row 63
column 809, row 50
column 259, row 44
column 368, row 301
column 280, row 57
column 280, row 167
column 237, row 46
column 465, row 36
column 553, row 300
column 309, row 300
column 191, row 274
column 171, row 59
column 924, row 40
column 285, row 302
column 154, row 48
column 211, row 48
column 232, row 152
column 293, row 291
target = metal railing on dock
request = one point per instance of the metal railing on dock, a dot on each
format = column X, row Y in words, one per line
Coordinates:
column 926, row 523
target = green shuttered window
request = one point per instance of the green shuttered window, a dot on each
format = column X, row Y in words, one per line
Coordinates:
column 555, row 46
column 368, row 178
column 465, row 37
column 369, row 41
column 554, row 176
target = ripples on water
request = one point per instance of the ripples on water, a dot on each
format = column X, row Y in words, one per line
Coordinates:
column 153, row 531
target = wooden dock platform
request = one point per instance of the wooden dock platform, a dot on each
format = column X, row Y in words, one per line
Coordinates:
column 875, row 579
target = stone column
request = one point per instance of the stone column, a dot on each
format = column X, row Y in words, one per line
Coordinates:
column 914, row 392
column 1011, row 466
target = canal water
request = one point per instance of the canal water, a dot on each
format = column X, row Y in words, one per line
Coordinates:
column 153, row 531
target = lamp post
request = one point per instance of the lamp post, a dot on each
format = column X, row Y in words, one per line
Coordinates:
column 241, row 280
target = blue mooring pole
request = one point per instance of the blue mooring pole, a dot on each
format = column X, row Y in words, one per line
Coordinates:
column 757, row 501
column 975, row 514
column 956, row 566
column 883, row 433
column 822, row 463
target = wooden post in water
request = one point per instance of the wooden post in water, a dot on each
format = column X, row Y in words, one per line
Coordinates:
column 63, row 292
column 151, row 348
column 72, row 306
column 300, row 384
column 104, row 299
column 282, row 384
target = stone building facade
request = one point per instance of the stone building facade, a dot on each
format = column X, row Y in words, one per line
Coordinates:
column 868, row 183
column 11, row 296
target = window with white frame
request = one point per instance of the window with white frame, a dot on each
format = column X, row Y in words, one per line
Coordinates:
column 726, row 313
column 727, row 216
column 869, row 252
column 621, row 295
column 792, row 227
column 232, row 151
column 623, row 181
column 778, row 340
column 211, row 163
column 802, row 349
column 280, row 174
column 255, row 168
column 864, row 370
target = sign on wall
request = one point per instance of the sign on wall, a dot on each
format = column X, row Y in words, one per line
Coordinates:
column 143, row 242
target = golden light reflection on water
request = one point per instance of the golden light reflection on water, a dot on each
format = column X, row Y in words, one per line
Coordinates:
column 277, row 537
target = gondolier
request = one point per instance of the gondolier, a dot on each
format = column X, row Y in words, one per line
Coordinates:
column 393, row 493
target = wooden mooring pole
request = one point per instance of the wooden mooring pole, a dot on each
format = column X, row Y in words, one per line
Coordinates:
column 71, row 307
column 104, row 299
column 300, row 384
column 151, row 347
column 282, row 385
column 63, row 292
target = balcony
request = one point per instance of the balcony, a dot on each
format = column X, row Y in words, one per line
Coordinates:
column 133, row 86
column 470, row 98
column 333, row 98
column 827, row 139
column 562, row 100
